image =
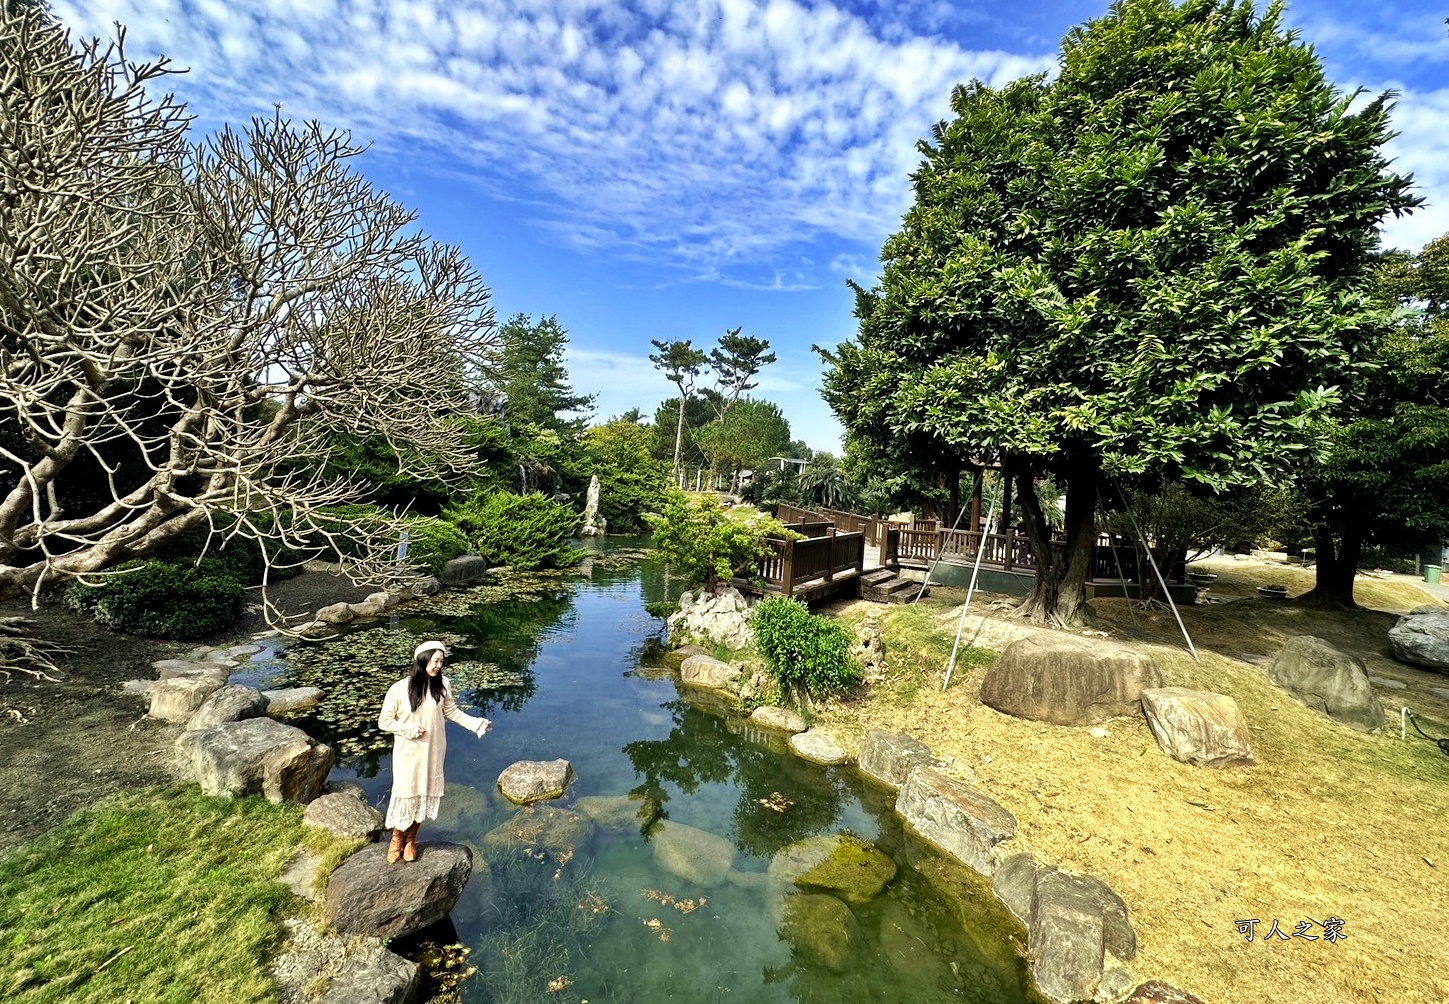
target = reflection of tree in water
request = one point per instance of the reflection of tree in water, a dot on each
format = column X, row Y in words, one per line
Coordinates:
column 511, row 633
column 701, row 749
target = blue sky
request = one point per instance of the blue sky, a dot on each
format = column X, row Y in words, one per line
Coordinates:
column 658, row 169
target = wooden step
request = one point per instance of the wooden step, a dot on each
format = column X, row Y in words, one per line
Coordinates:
column 877, row 577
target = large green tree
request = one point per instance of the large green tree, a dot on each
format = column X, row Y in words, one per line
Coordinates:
column 533, row 375
column 1383, row 482
column 681, row 363
column 749, row 434
column 1151, row 265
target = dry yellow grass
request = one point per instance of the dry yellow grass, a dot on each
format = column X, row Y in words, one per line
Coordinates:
column 1330, row 822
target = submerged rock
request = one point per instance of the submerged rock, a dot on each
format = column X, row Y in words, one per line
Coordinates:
column 620, row 812
column 690, row 853
column 839, row 863
column 546, row 827
column 820, row 928
column 535, row 780
column 368, row 896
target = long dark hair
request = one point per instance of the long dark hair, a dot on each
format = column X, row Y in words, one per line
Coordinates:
column 419, row 680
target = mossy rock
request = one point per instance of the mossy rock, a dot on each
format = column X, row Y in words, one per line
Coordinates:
column 820, row 928
column 839, row 863
column 461, row 803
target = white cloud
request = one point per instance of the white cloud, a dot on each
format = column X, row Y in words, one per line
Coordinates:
column 704, row 133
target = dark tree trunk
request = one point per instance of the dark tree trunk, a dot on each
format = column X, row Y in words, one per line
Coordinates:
column 1335, row 569
column 1059, row 592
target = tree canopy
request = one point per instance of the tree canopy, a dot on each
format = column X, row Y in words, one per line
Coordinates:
column 532, row 375
column 749, row 434
column 1152, row 265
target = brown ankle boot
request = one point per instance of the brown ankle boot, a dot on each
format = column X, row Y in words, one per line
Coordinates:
column 410, row 843
column 395, row 849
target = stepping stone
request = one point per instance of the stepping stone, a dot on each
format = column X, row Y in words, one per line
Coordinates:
column 530, row 781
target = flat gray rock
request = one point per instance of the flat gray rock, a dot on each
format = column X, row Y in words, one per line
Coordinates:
column 368, row 896
column 817, row 747
column 258, row 756
column 336, row 613
column 530, row 781
column 1389, row 682
column 1067, row 680
column 343, row 815
column 1421, row 638
column 386, row 979
column 780, row 719
column 956, row 818
column 1440, row 692
column 290, row 699
column 890, row 757
column 167, row 669
column 300, row 874
column 231, row 703
column 1329, row 681
column 1066, row 937
column 1198, row 727
column 1015, row 884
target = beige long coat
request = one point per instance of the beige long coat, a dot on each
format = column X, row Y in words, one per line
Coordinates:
column 417, row 759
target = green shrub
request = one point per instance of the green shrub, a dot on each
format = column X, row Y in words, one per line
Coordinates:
column 433, row 542
column 706, row 544
column 522, row 531
column 158, row 600
column 802, row 650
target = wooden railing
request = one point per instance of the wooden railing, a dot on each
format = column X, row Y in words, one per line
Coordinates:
column 1111, row 557
column 794, row 563
column 845, row 522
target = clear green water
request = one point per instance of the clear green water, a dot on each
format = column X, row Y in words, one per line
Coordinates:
column 595, row 913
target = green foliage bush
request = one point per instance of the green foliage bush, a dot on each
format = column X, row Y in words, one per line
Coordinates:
column 802, row 650
column 522, row 531
column 708, row 544
column 631, row 481
column 160, row 600
column 434, row 541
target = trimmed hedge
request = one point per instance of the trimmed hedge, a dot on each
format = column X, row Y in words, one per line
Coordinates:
column 522, row 531
column 160, row 600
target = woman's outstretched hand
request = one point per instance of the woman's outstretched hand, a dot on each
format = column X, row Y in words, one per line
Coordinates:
column 487, row 726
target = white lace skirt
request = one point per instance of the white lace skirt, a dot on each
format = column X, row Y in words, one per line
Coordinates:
column 404, row 812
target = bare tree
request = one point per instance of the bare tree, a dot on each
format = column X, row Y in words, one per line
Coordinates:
column 214, row 314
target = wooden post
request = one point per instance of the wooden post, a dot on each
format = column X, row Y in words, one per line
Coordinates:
column 977, row 481
column 787, row 568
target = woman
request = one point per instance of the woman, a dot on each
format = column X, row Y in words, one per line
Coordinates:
column 414, row 711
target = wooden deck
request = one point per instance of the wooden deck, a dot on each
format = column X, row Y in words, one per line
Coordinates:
column 827, row 564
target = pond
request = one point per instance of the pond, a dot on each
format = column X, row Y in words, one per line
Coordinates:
column 580, row 900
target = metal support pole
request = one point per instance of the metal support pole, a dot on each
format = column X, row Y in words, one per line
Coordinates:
column 1160, row 580
column 939, row 551
column 956, row 645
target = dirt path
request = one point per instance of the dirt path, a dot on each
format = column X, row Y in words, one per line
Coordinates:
column 68, row 744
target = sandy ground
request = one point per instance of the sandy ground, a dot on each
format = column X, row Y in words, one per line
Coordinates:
column 1330, row 823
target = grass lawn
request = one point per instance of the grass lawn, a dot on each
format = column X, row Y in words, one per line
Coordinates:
column 158, row 895
column 1331, row 822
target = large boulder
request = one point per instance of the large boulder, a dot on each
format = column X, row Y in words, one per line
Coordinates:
column 343, row 815
column 1421, row 638
column 231, row 703
column 692, row 854
column 890, row 757
column 708, row 672
column 1198, row 727
column 178, row 698
column 1066, row 680
column 956, row 818
column 1329, row 681
column 367, row 896
column 336, row 613
column 530, row 781
column 463, row 571
column 721, row 618
column 258, row 757
column 838, row 863
column 821, row 929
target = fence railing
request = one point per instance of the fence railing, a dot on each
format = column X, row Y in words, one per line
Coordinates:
column 795, row 563
column 1112, row 557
